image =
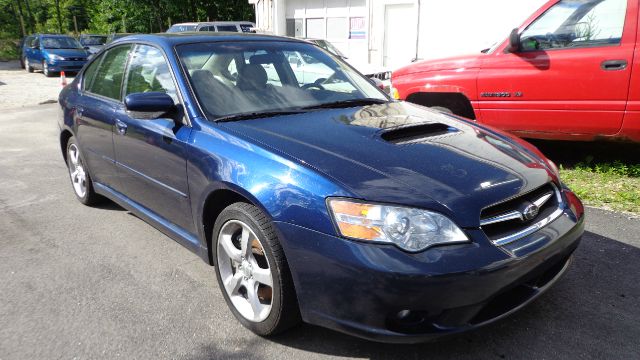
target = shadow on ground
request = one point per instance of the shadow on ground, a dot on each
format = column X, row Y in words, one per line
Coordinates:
column 592, row 312
column 569, row 153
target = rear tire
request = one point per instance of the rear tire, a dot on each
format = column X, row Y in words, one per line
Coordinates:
column 79, row 175
column 245, row 246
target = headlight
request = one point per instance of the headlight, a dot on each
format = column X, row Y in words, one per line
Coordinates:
column 409, row 229
column 55, row 57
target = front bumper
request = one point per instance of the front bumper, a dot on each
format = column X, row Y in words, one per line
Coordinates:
column 365, row 289
column 64, row 65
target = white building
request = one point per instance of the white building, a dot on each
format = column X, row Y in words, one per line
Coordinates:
column 393, row 32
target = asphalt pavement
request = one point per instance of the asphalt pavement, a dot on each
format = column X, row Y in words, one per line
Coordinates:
column 92, row 283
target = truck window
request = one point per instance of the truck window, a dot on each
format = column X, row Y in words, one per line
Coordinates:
column 576, row 23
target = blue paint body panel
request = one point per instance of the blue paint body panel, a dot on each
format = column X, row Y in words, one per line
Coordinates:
column 164, row 170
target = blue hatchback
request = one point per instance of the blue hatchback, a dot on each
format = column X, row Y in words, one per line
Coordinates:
column 317, row 197
column 54, row 53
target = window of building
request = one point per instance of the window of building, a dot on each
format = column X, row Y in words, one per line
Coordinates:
column 315, row 28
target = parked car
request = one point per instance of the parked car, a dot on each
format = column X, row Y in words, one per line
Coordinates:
column 25, row 44
column 380, row 73
column 55, row 53
column 219, row 26
column 343, row 208
column 568, row 73
column 92, row 42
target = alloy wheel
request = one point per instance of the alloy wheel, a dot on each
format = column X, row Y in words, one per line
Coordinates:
column 245, row 271
column 76, row 171
column 45, row 68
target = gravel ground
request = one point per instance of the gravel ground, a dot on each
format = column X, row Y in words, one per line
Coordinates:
column 91, row 283
column 99, row 283
column 18, row 88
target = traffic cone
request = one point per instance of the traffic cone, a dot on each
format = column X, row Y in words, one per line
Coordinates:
column 63, row 79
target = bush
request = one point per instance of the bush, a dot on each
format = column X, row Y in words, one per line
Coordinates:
column 8, row 49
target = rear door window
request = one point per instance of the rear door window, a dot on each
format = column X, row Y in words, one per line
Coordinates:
column 107, row 80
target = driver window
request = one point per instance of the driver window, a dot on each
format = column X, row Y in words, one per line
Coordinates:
column 576, row 23
column 149, row 72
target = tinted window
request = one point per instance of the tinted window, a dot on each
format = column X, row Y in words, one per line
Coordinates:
column 93, row 40
column 90, row 73
column 148, row 71
column 246, row 27
column 107, row 80
column 228, row 28
column 577, row 23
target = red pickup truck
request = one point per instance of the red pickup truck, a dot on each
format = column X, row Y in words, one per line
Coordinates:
column 570, row 72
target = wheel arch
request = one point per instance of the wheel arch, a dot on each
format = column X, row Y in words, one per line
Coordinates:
column 65, row 135
column 457, row 102
column 217, row 200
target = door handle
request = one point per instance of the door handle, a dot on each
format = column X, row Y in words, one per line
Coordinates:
column 612, row 65
column 121, row 127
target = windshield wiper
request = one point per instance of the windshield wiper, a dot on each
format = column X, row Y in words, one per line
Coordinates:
column 347, row 103
column 256, row 115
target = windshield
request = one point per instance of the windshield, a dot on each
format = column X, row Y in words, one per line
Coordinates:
column 93, row 40
column 252, row 77
column 60, row 43
column 181, row 28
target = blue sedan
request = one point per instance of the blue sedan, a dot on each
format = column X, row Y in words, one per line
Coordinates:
column 322, row 200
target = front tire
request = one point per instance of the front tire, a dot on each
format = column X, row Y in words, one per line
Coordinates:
column 45, row 69
column 252, row 271
column 79, row 175
column 27, row 65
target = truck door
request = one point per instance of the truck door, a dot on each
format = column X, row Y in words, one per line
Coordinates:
column 570, row 75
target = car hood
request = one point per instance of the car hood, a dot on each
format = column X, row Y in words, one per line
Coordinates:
column 452, row 63
column 68, row 52
column 405, row 154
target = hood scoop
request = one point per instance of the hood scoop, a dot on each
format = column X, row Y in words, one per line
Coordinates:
column 416, row 133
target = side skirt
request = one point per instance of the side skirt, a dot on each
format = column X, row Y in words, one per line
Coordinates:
column 173, row 231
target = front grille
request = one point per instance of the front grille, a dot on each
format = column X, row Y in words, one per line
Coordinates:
column 513, row 219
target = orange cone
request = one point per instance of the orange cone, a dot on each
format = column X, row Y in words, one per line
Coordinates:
column 63, row 79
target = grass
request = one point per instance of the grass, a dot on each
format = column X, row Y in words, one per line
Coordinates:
column 612, row 185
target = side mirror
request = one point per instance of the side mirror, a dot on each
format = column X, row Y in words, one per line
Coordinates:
column 87, row 48
column 149, row 105
column 514, row 41
column 34, row 46
column 299, row 63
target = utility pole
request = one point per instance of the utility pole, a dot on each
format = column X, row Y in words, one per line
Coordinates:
column 124, row 23
column 75, row 24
